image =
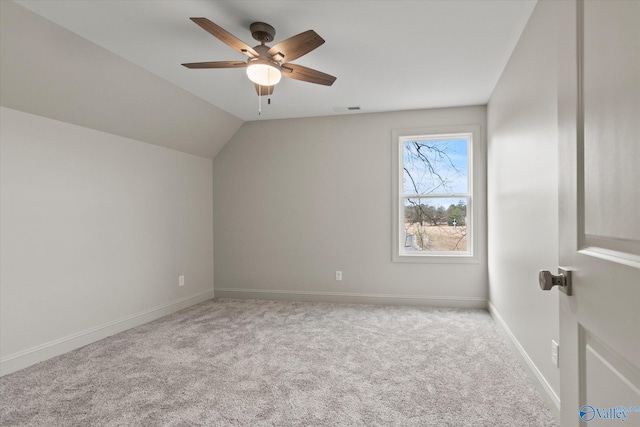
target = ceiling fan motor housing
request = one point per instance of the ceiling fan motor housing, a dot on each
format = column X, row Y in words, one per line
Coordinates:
column 263, row 56
column 262, row 32
column 263, row 70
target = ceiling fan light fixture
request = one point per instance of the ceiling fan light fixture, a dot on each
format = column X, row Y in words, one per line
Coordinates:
column 263, row 73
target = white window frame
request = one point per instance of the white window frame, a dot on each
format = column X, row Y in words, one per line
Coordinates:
column 398, row 137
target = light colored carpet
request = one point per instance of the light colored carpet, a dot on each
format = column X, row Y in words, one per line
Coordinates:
column 275, row 363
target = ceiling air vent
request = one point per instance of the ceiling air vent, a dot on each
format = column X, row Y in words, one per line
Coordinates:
column 347, row 109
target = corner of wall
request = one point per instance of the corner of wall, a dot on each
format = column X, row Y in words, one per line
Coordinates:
column 544, row 388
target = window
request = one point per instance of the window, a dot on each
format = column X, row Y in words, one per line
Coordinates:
column 433, row 196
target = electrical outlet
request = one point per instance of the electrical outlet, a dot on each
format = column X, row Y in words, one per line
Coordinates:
column 181, row 281
column 338, row 275
column 554, row 352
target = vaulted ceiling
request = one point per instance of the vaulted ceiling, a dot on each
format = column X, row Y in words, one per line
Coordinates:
column 387, row 55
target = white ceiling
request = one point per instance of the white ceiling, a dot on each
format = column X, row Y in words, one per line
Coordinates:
column 387, row 55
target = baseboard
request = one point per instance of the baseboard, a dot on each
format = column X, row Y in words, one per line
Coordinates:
column 33, row 355
column 552, row 399
column 356, row 298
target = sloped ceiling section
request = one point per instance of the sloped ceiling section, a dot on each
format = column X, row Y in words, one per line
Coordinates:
column 388, row 55
column 49, row 71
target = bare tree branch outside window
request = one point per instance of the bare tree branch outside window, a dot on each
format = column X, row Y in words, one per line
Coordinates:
column 435, row 193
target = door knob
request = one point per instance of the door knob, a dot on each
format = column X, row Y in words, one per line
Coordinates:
column 562, row 280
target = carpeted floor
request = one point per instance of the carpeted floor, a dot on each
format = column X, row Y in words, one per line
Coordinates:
column 275, row 363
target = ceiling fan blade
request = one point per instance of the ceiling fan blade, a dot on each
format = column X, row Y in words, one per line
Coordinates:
column 298, row 72
column 217, row 64
column 226, row 37
column 296, row 46
column 264, row 90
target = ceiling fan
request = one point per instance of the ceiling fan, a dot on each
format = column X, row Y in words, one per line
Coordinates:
column 266, row 65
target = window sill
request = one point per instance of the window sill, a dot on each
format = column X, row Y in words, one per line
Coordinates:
column 436, row 259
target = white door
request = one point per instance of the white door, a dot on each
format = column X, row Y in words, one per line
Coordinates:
column 599, row 161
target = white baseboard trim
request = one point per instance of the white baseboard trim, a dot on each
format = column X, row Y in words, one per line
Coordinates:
column 553, row 401
column 39, row 353
column 357, row 298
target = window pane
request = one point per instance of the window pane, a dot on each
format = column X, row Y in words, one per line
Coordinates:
column 435, row 166
column 435, row 224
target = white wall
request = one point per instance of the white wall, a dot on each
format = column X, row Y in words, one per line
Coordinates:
column 94, row 231
column 295, row 200
column 523, row 195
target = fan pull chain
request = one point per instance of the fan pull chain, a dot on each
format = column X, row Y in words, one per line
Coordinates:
column 260, row 100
